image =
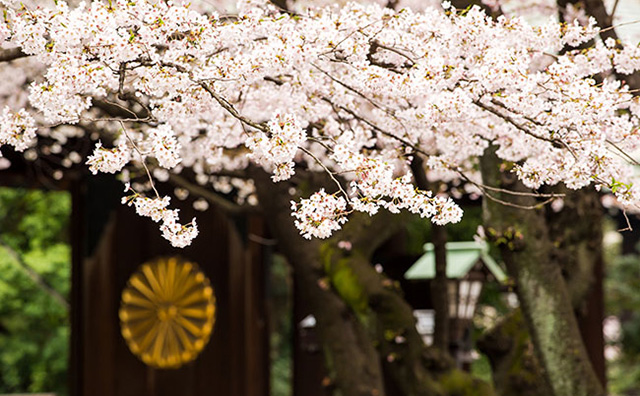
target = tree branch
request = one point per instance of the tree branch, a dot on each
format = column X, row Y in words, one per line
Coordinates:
column 7, row 55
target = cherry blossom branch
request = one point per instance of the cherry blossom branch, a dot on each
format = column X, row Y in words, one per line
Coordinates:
column 509, row 192
column 333, row 178
column 108, row 119
column 262, row 127
column 376, row 44
column 513, row 122
column 221, row 101
column 377, row 128
column 231, row 110
column 363, row 96
column 612, row 27
column 135, row 147
column 558, row 143
column 116, row 109
column 417, row 167
column 511, row 204
column 122, row 95
column 623, row 153
column 7, row 55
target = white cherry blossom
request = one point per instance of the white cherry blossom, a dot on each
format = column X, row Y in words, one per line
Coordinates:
column 355, row 91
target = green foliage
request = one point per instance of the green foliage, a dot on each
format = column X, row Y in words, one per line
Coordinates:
column 34, row 328
column 623, row 376
column 481, row 368
column 33, row 219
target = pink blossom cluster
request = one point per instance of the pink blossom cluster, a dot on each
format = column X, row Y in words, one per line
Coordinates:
column 376, row 185
column 17, row 129
column 164, row 146
column 108, row 160
column 157, row 209
column 355, row 91
column 276, row 150
column 319, row 215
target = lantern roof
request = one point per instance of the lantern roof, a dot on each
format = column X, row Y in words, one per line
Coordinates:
column 461, row 258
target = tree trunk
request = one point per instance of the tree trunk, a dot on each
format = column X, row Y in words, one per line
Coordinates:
column 523, row 239
column 389, row 318
column 377, row 300
column 576, row 234
column 439, row 291
column 439, row 288
column 352, row 360
column 362, row 317
column 515, row 368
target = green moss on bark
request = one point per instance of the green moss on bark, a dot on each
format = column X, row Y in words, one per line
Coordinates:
column 458, row 383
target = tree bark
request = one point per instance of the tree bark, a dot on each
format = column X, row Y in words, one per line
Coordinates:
column 523, row 238
column 576, row 234
column 515, row 368
column 389, row 319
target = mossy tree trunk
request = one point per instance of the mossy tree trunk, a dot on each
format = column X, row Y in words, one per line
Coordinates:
column 515, row 368
column 524, row 241
column 364, row 323
column 353, row 362
column 575, row 233
column 378, row 302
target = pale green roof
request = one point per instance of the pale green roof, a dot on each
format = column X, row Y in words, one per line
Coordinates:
column 461, row 257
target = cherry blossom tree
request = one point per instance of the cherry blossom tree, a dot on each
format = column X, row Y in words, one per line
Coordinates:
column 333, row 122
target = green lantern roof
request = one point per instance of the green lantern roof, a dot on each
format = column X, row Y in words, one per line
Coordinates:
column 461, row 257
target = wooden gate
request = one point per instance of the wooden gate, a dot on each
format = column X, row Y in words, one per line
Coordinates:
column 109, row 243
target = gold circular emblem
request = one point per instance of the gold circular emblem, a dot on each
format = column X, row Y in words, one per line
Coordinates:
column 167, row 312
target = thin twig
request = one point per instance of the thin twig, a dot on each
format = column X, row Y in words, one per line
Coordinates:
column 513, row 122
column 309, row 153
column 376, row 105
column 624, row 153
column 629, row 228
column 231, row 110
column 618, row 25
column 377, row 128
column 135, row 147
column 394, row 50
column 110, row 120
column 511, row 204
column 509, row 192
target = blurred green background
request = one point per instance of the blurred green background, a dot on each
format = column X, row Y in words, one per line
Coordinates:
column 35, row 263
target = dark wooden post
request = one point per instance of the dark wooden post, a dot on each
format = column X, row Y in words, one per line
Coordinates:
column 234, row 363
